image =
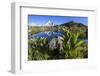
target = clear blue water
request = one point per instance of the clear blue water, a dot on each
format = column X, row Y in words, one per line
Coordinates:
column 49, row 35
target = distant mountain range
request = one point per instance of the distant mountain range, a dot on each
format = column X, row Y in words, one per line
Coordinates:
column 67, row 24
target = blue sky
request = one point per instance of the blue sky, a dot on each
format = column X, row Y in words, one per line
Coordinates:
column 42, row 19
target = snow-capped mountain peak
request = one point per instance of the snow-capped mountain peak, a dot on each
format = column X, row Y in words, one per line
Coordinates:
column 49, row 23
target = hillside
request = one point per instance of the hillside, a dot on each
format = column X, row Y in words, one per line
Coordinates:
column 73, row 24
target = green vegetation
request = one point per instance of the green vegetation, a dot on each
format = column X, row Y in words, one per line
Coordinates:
column 38, row 49
column 69, row 46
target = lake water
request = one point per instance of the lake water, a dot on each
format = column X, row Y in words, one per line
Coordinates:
column 49, row 35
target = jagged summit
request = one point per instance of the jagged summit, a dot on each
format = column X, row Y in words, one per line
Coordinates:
column 49, row 23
